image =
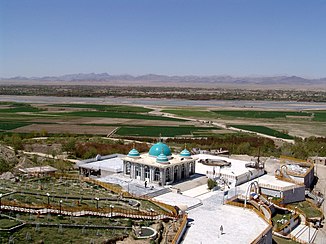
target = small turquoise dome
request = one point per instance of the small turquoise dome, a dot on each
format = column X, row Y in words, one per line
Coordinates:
column 159, row 148
column 185, row 153
column 162, row 158
column 133, row 153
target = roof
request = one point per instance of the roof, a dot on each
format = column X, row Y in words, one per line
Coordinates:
column 237, row 168
column 159, row 148
column 133, row 153
column 162, row 158
column 111, row 164
column 185, row 153
column 151, row 161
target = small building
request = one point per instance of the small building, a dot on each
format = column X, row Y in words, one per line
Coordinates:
column 41, row 170
column 317, row 160
column 301, row 173
column 159, row 165
column 271, row 186
column 232, row 171
column 101, row 166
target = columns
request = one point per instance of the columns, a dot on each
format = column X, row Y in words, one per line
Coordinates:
column 151, row 174
column 162, row 176
column 124, row 167
column 187, row 170
column 142, row 172
column 132, row 170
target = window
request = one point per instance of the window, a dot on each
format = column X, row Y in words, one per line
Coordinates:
column 146, row 172
column 128, row 167
column 157, row 174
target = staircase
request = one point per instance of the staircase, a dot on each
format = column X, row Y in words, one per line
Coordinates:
column 158, row 193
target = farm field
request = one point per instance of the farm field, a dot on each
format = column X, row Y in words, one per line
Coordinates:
column 99, row 119
column 261, row 114
column 263, row 130
column 166, row 131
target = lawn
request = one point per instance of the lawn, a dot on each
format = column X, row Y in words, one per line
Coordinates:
column 6, row 223
column 308, row 208
column 260, row 114
column 42, row 234
column 263, row 130
column 279, row 240
column 165, row 131
column 112, row 108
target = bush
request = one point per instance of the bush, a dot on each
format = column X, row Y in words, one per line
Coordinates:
column 211, row 184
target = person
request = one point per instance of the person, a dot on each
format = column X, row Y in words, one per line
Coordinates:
column 145, row 184
column 221, row 229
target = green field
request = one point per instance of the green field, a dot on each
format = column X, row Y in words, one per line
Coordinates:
column 260, row 114
column 18, row 108
column 116, row 115
column 263, row 130
column 113, row 108
column 165, row 131
column 191, row 113
column 12, row 125
column 320, row 116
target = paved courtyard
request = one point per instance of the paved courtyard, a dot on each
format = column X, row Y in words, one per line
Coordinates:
column 239, row 225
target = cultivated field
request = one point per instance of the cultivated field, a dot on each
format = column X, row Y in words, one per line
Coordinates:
column 151, row 121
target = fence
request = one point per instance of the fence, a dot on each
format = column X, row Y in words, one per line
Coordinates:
column 181, row 230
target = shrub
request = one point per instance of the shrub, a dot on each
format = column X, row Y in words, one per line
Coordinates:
column 211, row 184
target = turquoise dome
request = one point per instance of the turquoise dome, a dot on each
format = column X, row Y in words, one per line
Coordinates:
column 162, row 158
column 159, row 148
column 185, row 153
column 133, row 153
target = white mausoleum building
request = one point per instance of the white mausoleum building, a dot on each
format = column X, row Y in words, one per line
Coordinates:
column 159, row 165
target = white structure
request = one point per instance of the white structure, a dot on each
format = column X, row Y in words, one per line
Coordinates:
column 235, row 171
column 271, row 186
column 101, row 166
column 159, row 165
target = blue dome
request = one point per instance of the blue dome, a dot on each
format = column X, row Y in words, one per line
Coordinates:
column 162, row 158
column 133, row 153
column 185, row 153
column 159, row 148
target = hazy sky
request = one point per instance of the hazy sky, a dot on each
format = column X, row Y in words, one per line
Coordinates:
column 172, row 37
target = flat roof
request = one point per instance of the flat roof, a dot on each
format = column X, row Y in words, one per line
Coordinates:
column 111, row 164
column 145, row 158
column 239, row 225
column 238, row 167
column 269, row 182
column 176, row 199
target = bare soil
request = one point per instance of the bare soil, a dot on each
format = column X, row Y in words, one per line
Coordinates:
column 66, row 128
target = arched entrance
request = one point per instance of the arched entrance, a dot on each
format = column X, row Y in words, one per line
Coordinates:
column 176, row 171
column 157, row 174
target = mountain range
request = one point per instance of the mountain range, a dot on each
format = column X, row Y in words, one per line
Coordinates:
column 153, row 78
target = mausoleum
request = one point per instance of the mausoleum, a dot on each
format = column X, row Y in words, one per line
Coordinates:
column 159, row 165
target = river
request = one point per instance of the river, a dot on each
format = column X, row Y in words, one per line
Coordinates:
column 291, row 105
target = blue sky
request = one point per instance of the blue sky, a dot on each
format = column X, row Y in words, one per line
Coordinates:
column 171, row 37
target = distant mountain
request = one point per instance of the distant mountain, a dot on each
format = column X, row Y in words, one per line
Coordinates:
column 152, row 78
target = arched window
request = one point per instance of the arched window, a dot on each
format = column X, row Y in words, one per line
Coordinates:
column 137, row 169
column 168, row 174
column 183, row 171
column 157, row 174
column 128, row 167
column 176, row 170
column 146, row 172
